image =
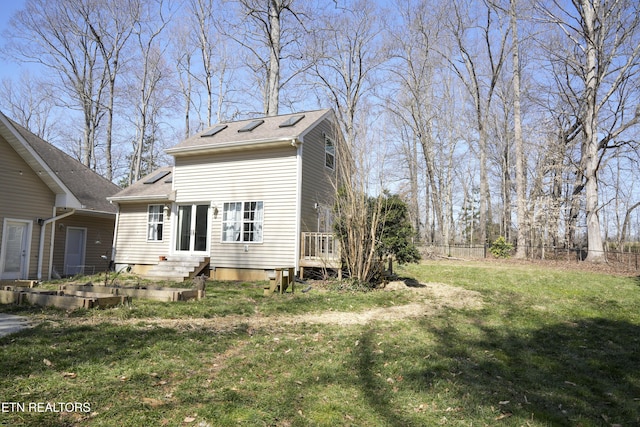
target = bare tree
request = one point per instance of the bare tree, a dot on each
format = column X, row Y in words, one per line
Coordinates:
column 203, row 15
column 183, row 53
column 272, row 26
column 347, row 56
column 624, row 169
column 521, row 191
column 603, row 56
column 480, row 81
column 55, row 35
column 148, row 78
column 30, row 102
column 110, row 24
column 417, row 105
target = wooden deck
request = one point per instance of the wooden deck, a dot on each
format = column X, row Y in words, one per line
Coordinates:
column 319, row 250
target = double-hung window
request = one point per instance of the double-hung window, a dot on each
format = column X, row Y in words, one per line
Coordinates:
column 155, row 222
column 242, row 222
column 329, row 153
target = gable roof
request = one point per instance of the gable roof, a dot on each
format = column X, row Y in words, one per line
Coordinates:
column 75, row 185
column 157, row 186
column 251, row 133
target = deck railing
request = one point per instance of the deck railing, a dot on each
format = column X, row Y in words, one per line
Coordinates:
column 320, row 247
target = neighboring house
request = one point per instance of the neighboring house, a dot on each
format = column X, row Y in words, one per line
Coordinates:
column 243, row 199
column 54, row 215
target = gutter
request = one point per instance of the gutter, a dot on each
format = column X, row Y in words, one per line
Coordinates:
column 43, row 226
column 143, row 198
column 229, row 146
column 171, row 197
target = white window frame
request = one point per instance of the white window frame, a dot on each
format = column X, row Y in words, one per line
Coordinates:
column 240, row 222
column 329, row 153
column 152, row 224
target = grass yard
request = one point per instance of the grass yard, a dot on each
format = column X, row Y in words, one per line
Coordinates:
column 468, row 344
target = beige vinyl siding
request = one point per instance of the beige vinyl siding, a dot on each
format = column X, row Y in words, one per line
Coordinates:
column 244, row 176
column 99, row 238
column 317, row 179
column 23, row 195
column 132, row 246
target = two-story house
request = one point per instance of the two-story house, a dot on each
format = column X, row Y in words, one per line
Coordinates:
column 242, row 199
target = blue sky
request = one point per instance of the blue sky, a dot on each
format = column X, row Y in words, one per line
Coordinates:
column 7, row 9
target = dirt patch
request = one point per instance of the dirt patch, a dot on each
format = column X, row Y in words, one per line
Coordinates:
column 439, row 293
column 433, row 297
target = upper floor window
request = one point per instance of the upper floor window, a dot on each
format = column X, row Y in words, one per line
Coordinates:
column 242, row 222
column 155, row 222
column 329, row 153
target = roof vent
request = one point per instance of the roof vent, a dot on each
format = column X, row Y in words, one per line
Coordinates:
column 251, row 126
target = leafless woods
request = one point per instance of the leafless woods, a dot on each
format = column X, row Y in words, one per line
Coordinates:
column 490, row 117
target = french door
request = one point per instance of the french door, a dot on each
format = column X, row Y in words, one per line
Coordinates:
column 192, row 232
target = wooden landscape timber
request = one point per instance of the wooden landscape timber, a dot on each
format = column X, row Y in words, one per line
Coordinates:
column 144, row 292
column 59, row 298
column 23, row 283
column 71, row 296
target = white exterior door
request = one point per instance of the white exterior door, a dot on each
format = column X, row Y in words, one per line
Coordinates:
column 192, row 231
column 14, row 258
column 74, row 250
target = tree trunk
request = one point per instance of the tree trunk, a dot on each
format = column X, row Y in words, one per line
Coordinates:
column 273, row 72
column 517, row 134
column 590, row 145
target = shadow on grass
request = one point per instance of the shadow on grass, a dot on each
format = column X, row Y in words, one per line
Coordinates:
column 412, row 283
column 375, row 389
column 110, row 366
column 585, row 372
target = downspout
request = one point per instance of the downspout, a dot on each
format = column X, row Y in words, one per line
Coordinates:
column 298, row 144
column 115, row 234
column 43, row 226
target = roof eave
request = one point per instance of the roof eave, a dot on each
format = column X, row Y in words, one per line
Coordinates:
column 142, row 198
column 328, row 114
column 97, row 213
column 233, row 146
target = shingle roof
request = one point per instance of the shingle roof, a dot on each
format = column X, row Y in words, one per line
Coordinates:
column 267, row 129
column 148, row 187
column 89, row 188
column 243, row 134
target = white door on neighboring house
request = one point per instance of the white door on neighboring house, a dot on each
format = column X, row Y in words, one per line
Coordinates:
column 74, row 250
column 14, row 255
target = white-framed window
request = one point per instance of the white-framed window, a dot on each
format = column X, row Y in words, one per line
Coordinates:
column 242, row 222
column 329, row 153
column 155, row 222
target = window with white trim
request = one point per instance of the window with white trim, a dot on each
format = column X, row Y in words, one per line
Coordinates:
column 155, row 222
column 329, row 153
column 242, row 222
